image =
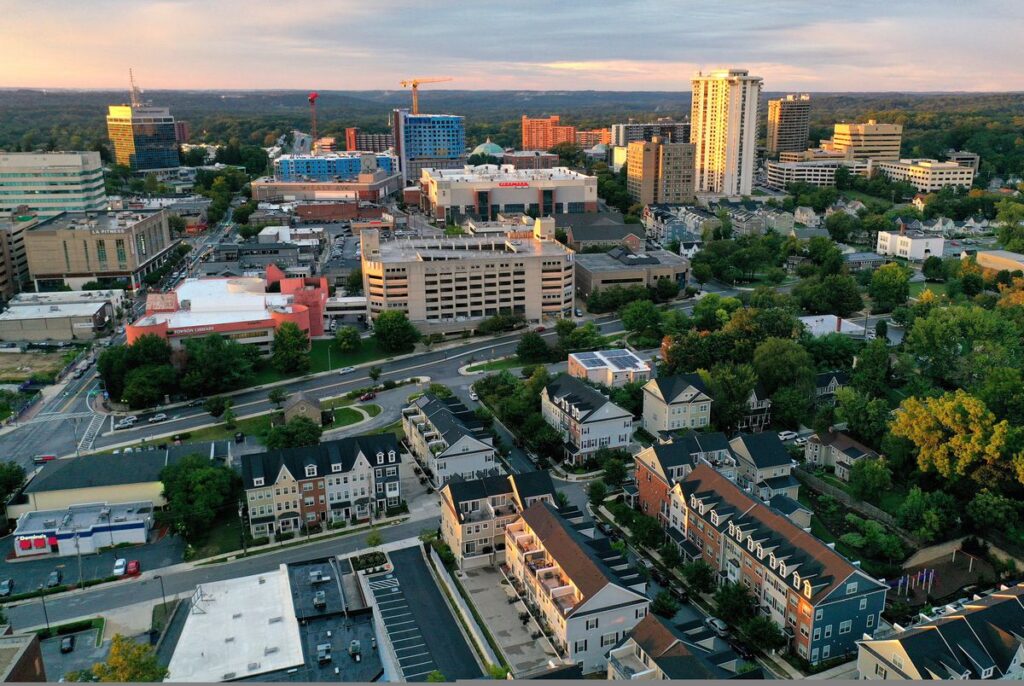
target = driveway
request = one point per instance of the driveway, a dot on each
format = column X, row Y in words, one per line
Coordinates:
column 490, row 597
column 29, row 574
column 84, row 656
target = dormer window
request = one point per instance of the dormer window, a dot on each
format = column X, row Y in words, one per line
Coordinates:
column 796, row 578
column 807, row 588
column 771, row 560
column 380, row 458
column 701, row 508
column 714, row 518
column 258, row 481
column 760, row 551
column 750, row 544
column 693, row 501
column 732, row 529
column 311, row 470
column 391, row 456
column 336, row 467
column 782, row 568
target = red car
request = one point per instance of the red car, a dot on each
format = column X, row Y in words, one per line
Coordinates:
column 133, row 568
column 367, row 396
column 539, row 329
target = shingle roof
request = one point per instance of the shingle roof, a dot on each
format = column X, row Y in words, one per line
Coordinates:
column 605, row 233
column 466, row 490
column 802, row 552
column 92, row 471
column 586, row 219
column 671, row 386
column 345, row 452
column 679, row 451
column 843, row 443
column 675, row 654
column 766, row 450
column 450, row 417
column 533, row 484
column 822, row 379
column 578, row 394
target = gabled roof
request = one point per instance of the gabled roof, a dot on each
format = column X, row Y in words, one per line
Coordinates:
column 450, row 417
column 533, row 484
column 676, row 654
column 680, row 451
column 802, row 553
column 672, row 386
column 468, row 490
column 765, row 449
column 822, row 379
column 297, row 398
column 843, row 443
column 577, row 394
column 587, row 219
column 345, row 452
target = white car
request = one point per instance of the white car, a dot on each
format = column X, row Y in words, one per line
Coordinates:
column 787, row 435
column 346, row 370
column 718, row 626
column 473, row 395
column 161, row 417
column 800, row 441
column 120, row 565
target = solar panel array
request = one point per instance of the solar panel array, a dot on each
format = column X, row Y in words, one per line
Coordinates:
column 589, row 360
column 616, row 359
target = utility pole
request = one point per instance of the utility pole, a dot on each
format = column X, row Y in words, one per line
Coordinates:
column 46, row 616
column 78, row 553
column 163, row 596
column 241, row 509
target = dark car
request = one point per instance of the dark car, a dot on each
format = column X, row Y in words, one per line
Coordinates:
column 54, row 579
column 67, row 644
column 660, row 577
column 679, row 593
column 6, row 587
column 239, row 437
column 742, row 650
column 367, row 396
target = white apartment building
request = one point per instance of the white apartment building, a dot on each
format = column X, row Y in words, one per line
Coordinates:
column 912, row 245
column 926, row 175
column 814, row 172
column 764, row 466
column 676, row 402
column 583, row 589
column 452, row 284
column 52, row 182
column 587, row 420
column 449, row 439
column 609, row 367
column 723, row 126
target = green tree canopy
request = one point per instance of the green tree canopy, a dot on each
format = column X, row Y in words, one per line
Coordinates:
column 394, row 332
column 291, row 349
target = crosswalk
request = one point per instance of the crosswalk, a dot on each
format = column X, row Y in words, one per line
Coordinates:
column 91, row 431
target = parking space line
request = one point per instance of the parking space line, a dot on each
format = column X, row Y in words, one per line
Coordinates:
column 401, row 631
column 403, row 640
column 415, row 647
column 397, row 614
column 418, row 664
column 410, row 657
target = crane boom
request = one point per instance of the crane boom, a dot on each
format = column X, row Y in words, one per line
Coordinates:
column 415, row 84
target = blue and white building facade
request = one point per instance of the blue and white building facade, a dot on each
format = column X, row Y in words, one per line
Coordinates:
column 423, row 141
column 83, row 529
column 340, row 166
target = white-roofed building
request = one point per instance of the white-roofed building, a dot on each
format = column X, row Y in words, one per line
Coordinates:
column 609, row 367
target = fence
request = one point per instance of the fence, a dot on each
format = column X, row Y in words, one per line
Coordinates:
column 866, row 509
column 470, row 620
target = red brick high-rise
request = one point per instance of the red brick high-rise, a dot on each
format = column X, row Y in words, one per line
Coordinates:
column 544, row 134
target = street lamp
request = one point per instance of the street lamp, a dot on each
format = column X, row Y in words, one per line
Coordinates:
column 162, row 595
column 46, row 616
column 241, row 519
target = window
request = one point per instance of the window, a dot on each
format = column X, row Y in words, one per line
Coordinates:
column 580, row 646
column 817, row 634
column 258, row 481
column 828, row 631
column 609, row 640
column 307, row 487
column 870, row 621
column 336, row 467
column 592, row 623
column 845, row 627
column 825, row 652
column 818, row 614
column 897, row 660
column 851, row 588
column 863, row 603
column 881, row 671
column 641, row 612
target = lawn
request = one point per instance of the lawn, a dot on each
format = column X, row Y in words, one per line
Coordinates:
column 372, row 410
column 869, row 200
column 395, row 428
column 919, row 287
column 323, row 356
column 253, row 426
column 225, row 536
column 497, row 365
column 344, row 416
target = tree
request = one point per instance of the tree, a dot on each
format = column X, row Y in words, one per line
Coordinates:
column 291, row 349
column 215, row 405
column 354, row 282
column 991, row 511
column 436, row 677
column 348, row 339
column 730, row 385
column 129, row 661
column 866, row 418
column 699, row 575
column 841, row 225
column 761, row 631
column 215, row 364
column 147, row 386
column 933, row 269
column 882, row 330
column 647, row 530
column 702, row 273
column 229, row 415
column 12, row 476
column 299, row 432
column 532, row 348
column 953, row 433
column 642, row 317
column 374, row 373
column 792, row 405
column 439, row 390
column 614, row 472
column 597, row 492
column 669, row 554
column 664, row 604
column 196, row 490
column 733, row 603
column 869, row 478
column 374, row 539
column 277, row 396
column 953, row 345
column 890, row 287
column 871, row 375
column 394, row 332
column 497, row 672
column 927, row 515
column 780, row 362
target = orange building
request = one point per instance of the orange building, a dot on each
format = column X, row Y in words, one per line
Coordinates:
column 588, row 139
column 544, row 134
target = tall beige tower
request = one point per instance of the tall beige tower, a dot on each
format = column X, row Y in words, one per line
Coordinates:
column 723, row 128
column 789, row 123
column 660, row 172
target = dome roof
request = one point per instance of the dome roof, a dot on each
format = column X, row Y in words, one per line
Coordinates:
column 489, row 148
column 599, row 149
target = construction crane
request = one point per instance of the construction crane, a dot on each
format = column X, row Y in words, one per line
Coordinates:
column 312, row 110
column 415, row 83
column 136, row 98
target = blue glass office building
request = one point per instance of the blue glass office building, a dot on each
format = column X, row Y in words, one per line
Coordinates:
column 333, row 167
column 428, row 140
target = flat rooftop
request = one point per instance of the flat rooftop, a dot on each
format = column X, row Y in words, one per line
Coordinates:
column 238, row 629
column 58, row 297
column 82, row 517
column 605, row 262
column 55, row 311
column 467, row 248
column 94, row 222
column 505, row 172
column 211, row 301
column 620, row 360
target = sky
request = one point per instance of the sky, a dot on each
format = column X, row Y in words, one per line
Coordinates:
column 807, row 45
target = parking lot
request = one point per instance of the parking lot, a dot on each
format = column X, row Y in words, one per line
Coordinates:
column 424, row 633
column 84, row 656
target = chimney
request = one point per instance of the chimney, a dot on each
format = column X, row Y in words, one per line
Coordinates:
column 839, row 325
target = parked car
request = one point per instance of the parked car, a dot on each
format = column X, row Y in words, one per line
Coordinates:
column 473, row 395
column 133, row 568
column 539, row 329
column 679, row 593
column 197, row 402
column 6, row 587
column 346, row 370
column 579, row 312
column 159, row 417
column 742, row 650
column 367, row 396
column 56, row 576
column 67, row 644
column 239, row 437
column 119, row 566
column 718, row 626
column 787, row 435
column 800, row 441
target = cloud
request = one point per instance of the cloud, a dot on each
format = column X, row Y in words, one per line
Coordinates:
column 526, row 44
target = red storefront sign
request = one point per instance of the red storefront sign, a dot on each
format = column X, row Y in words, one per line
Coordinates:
column 513, row 184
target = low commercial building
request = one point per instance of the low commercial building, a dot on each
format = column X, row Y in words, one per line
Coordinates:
column 82, row 529
column 975, row 639
column 529, row 159
column 351, row 479
column 370, row 186
column 14, row 273
column 475, row 512
column 859, row 261
column 813, row 172
column 927, row 176
column 656, row 650
column 448, row 438
column 586, row 419
column 51, row 183
column 659, row 467
column 72, row 249
column 327, row 211
column 583, row 589
column 623, row 267
column 609, row 367
column 676, row 402
column 915, row 246
column 965, row 158
column 21, row 660
column 68, row 322
column 448, row 195
column 764, row 466
column 836, row 450
column 998, row 260
column 452, row 284
column 251, row 258
column 820, row 600
column 242, row 309
column 825, row 324
column 332, row 166
column 604, row 233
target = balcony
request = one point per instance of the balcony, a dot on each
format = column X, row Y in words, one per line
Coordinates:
column 628, row 666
